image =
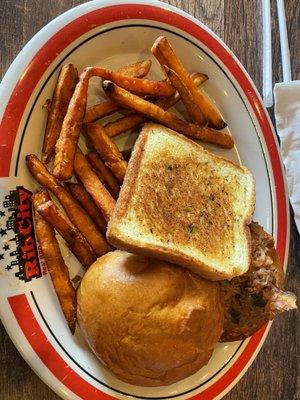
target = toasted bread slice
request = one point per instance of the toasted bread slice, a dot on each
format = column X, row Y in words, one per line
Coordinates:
column 183, row 204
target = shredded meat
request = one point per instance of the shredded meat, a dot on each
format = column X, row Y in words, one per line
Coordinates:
column 256, row 297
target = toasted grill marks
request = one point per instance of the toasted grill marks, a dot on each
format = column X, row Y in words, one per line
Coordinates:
column 178, row 215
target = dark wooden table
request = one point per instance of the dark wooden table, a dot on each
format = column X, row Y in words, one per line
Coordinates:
column 273, row 375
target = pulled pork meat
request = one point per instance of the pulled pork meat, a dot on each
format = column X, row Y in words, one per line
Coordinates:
column 254, row 298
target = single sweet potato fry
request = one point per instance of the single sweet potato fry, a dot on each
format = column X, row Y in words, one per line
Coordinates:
column 63, row 92
column 56, row 266
column 104, row 174
column 66, row 144
column 72, row 208
column 81, row 195
column 123, row 124
column 73, row 238
column 206, row 112
column 107, row 149
column 93, row 186
column 129, row 100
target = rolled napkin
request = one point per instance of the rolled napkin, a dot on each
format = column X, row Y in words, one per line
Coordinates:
column 287, row 115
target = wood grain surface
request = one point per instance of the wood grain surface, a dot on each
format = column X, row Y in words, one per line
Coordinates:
column 274, row 375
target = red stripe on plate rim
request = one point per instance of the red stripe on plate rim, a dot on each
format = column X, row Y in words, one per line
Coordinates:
column 12, row 118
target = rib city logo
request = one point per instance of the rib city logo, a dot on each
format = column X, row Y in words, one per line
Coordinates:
column 18, row 241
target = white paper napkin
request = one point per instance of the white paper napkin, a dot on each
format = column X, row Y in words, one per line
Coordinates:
column 287, row 115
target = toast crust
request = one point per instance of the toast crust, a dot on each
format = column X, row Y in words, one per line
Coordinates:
column 152, row 212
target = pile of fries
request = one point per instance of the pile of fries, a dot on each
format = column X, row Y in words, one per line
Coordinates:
column 89, row 203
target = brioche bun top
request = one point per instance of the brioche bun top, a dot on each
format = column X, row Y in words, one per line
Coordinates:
column 150, row 322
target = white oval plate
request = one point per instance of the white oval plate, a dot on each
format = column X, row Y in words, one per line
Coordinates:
column 113, row 34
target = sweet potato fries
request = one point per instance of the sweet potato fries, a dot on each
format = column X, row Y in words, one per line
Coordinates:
column 56, row 266
column 102, row 198
column 138, row 70
column 107, row 149
column 203, row 110
column 104, row 174
column 123, row 124
column 73, row 238
column 133, row 102
column 81, row 195
column 62, row 95
column 73, row 209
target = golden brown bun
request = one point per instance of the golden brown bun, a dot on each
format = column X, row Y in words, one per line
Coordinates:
column 150, row 322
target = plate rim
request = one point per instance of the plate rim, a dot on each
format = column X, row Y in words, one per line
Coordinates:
column 81, row 10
